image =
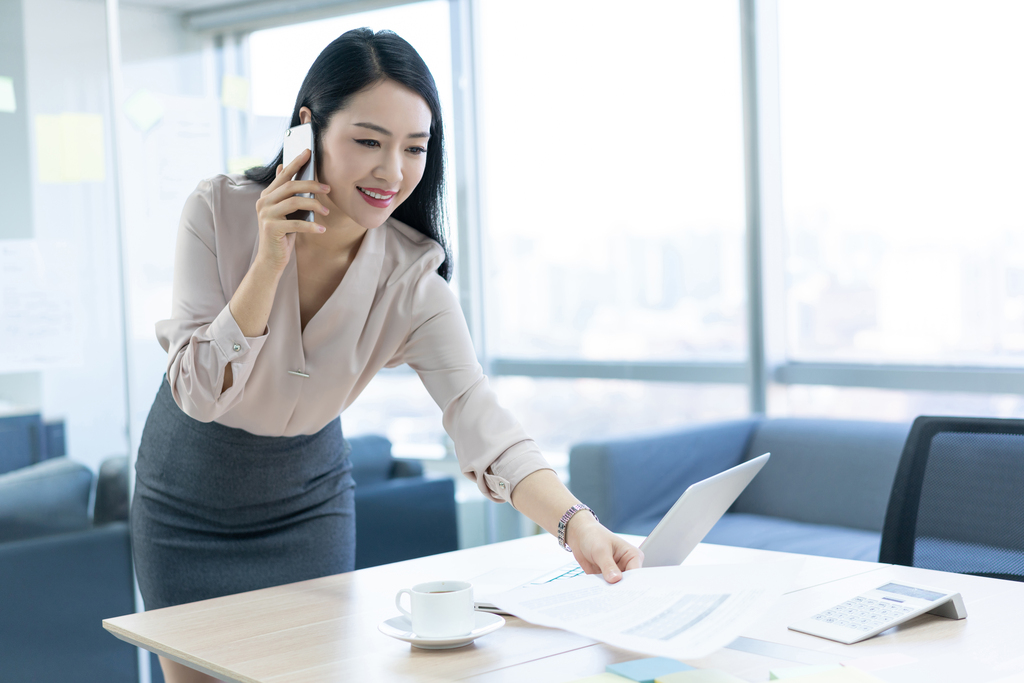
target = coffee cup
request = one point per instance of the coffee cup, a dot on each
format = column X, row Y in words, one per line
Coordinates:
column 439, row 609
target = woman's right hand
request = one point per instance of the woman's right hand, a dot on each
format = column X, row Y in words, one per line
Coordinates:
column 276, row 202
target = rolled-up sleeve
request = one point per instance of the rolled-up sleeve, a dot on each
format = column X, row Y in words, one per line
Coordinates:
column 201, row 337
column 492, row 447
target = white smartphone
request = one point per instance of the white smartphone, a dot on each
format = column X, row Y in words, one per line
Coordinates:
column 297, row 139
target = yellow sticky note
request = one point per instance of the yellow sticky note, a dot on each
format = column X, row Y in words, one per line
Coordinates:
column 49, row 153
column 602, row 678
column 69, row 148
column 699, row 676
column 7, row 101
column 234, row 92
column 144, row 109
column 243, row 164
column 798, row 671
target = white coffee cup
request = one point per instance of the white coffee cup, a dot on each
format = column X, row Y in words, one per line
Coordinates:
column 440, row 609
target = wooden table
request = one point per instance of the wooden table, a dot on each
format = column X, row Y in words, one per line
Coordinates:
column 326, row 629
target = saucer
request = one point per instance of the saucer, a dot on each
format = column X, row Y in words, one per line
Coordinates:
column 399, row 627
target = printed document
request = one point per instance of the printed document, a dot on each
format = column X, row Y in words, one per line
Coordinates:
column 682, row 612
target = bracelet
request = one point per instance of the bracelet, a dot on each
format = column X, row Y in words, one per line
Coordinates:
column 564, row 522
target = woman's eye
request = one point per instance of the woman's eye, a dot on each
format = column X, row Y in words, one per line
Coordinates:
column 368, row 143
column 418, row 150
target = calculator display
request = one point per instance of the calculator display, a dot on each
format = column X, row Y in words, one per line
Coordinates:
column 930, row 596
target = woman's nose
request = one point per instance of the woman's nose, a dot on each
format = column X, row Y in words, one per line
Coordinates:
column 390, row 168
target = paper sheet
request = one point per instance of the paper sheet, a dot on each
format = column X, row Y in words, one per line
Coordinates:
column 234, row 92
column 8, row 103
column 39, row 306
column 681, row 612
column 69, row 148
column 144, row 109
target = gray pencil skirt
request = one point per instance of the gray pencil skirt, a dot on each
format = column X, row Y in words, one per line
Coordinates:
column 218, row 510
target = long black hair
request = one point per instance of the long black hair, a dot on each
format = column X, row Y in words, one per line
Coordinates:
column 355, row 61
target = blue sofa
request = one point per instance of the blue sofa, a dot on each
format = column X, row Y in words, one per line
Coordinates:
column 65, row 567
column 823, row 492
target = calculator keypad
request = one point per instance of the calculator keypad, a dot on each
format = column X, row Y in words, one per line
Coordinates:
column 863, row 614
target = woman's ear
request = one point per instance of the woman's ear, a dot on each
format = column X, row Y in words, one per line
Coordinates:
column 305, row 115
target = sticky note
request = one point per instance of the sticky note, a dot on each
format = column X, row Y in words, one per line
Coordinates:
column 7, row 101
column 144, row 109
column 234, row 92
column 601, row 678
column 646, row 670
column 797, row 671
column 699, row 676
column 69, row 148
column 243, row 164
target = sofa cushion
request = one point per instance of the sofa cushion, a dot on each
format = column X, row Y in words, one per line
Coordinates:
column 111, row 492
column 835, row 472
column 46, row 498
column 57, row 590
column 771, row 533
column 371, row 459
column 630, row 482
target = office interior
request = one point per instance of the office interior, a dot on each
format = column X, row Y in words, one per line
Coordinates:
column 663, row 213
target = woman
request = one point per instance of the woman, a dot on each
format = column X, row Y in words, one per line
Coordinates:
column 277, row 325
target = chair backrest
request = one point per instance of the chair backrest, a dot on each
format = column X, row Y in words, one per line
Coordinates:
column 957, row 503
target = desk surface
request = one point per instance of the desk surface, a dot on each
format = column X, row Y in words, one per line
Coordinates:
column 326, row 629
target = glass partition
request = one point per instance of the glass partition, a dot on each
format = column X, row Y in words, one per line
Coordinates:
column 61, row 338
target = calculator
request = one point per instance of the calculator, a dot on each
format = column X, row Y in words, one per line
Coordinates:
column 871, row 613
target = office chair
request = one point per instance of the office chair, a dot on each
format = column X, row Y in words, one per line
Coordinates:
column 957, row 502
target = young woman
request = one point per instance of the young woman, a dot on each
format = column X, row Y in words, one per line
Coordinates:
column 277, row 326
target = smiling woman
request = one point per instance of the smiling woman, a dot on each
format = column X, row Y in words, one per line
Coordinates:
column 243, row 476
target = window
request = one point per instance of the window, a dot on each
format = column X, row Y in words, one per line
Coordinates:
column 901, row 148
column 612, row 173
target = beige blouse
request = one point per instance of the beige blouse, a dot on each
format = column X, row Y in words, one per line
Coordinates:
column 390, row 308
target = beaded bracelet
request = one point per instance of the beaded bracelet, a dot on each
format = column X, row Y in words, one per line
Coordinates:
column 562, row 523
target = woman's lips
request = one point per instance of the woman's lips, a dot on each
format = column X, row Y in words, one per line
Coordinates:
column 376, row 197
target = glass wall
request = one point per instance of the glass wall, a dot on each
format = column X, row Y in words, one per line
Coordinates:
column 61, row 336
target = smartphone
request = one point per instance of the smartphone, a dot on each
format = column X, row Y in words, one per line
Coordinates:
column 297, row 139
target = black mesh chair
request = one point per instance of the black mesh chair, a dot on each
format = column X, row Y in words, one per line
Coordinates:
column 957, row 502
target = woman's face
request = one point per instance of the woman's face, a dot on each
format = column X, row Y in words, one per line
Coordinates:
column 373, row 153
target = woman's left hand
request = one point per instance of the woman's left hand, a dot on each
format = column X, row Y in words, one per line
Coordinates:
column 598, row 550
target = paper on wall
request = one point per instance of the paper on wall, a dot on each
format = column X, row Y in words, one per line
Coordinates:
column 144, row 109
column 69, row 148
column 40, row 325
column 234, row 92
column 8, row 104
column 682, row 612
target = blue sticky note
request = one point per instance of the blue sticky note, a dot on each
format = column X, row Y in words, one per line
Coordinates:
column 646, row 670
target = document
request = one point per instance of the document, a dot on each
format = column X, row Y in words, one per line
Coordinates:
column 682, row 612
column 69, row 148
column 40, row 306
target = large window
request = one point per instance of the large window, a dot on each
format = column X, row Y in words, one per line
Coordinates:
column 612, row 180
column 901, row 148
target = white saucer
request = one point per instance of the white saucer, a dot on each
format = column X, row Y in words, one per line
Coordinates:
column 399, row 627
